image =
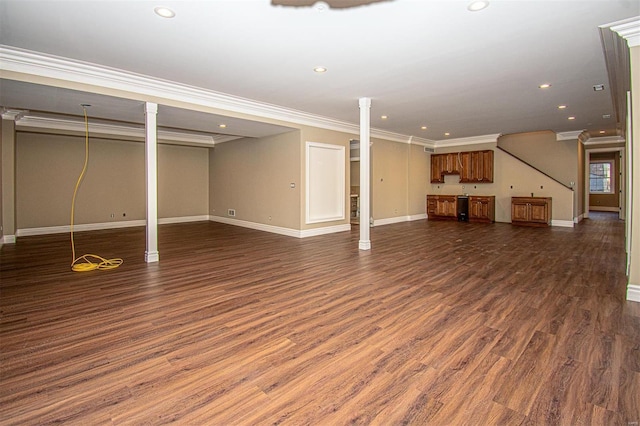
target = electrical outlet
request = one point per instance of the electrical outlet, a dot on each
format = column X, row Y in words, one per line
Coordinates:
column 231, row 212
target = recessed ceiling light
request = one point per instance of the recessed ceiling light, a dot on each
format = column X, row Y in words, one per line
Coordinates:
column 321, row 6
column 222, row 126
column 384, row 117
column 165, row 12
column 447, row 134
column 424, row 127
column 475, row 6
column 605, row 116
column 320, row 69
column 602, row 132
column 562, row 106
column 544, row 86
column 571, row 118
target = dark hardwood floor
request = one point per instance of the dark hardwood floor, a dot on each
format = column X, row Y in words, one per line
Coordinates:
column 441, row 323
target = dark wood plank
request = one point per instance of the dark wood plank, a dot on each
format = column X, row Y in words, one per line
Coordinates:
column 440, row 323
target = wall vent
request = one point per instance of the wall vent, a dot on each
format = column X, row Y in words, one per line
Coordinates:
column 427, row 149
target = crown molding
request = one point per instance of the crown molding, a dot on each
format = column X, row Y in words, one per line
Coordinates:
column 628, row 29
column 566, row 136
column 12, row 114
column 604, row 140
column 30, row 122
column 473, row 140
column 28, row 62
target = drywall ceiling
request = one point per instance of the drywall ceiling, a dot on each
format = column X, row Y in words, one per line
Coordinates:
column 423, row 63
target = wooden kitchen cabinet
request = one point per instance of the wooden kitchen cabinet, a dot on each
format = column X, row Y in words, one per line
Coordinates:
column 437, row 175
column 482, row 208
column 472, row 166
column 441, row 207
column 476, row 167
column 531, row 211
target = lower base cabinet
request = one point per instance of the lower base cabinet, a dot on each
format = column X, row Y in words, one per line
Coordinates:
column 482, row 208
column 531, row 211
column 442, row 207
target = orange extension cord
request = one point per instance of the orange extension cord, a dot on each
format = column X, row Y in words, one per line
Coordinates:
column 87, row 262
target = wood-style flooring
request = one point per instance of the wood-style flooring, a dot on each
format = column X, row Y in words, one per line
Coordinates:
column 441, row 323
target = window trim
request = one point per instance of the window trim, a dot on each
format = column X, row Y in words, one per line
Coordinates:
column 612, row 165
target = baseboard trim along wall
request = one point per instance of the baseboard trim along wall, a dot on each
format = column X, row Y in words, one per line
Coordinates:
column 563, row 223
column 8, row 239
column 105, row 225
column 633, row 292
column 281, row 230
column 398, row 219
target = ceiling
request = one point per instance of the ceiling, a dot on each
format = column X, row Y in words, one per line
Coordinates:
column 422, row 62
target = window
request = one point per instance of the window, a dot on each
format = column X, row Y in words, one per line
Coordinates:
column 601, row 177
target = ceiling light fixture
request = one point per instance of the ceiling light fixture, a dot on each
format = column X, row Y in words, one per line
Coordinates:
column 447, row 134
column 571, row 118
column 602, row 132
column 384, row 117
column 320, row 70
column 424, row 127
column 562, row 106
column 321, row 6
column 476, row 6
column 544, row 86
column 222, row 126
column 164, row 12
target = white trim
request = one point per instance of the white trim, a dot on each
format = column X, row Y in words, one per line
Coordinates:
column 417, row 216
column 629, row 29
column 604, row 209
column 151, row 256
column 29, row 62
column 562, row 223
column 605, row 140
column 183, row 219
column 27, row 232
column 473, row 140
column 633, row 292
column 328, row 169
column 9, row 239
column 35, row 122
column 324, row 230
column 567, row 136
column 578, row 219
column 390, row 220
column 289, row 232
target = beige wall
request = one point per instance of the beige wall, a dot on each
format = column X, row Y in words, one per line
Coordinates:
column 511, row 178
column 419, row 179
column 254, row 177
column 48, row 166
column 558, row 159
column 607, row 200
column 390, row 180
column 580, row 187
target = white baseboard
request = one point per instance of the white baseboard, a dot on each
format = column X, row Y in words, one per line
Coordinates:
column 183, row 219
column 633, row 292
column 63, row 229
column 281, row 230
column 417, row 216
column 578, row 219
column 390, row 220
column 604, row 209
column 8, row 239
column 562, row 223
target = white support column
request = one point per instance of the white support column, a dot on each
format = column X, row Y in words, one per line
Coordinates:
column 151, row 171
column 8, row 178
column 365, row 171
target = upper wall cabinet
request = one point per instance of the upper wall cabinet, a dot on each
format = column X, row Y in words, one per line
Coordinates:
column 472, row 166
